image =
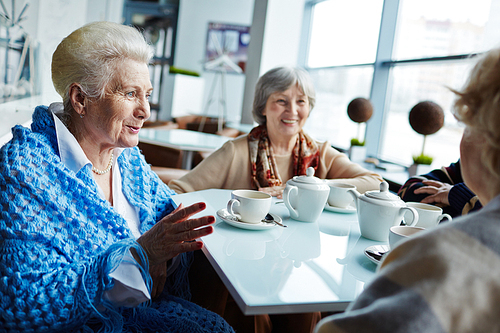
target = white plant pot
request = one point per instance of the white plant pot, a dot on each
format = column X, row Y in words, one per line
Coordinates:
column 357, row 153
column 418, row 169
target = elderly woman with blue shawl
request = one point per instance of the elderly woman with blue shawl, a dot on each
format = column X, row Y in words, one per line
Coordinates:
column 90, row 237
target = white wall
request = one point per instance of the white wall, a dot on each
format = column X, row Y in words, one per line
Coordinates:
column 278, row 45
column 282, row 33
column 277, row 27
column 51, row 20
column 48, row 22
column 194, row 16
column 53, row 25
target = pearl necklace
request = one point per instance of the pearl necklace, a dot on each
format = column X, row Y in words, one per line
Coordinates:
column 102, row 172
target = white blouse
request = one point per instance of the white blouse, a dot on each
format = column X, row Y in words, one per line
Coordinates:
column 130, row 289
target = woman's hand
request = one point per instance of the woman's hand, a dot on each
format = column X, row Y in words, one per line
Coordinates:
column 159, row 276
column 275, row 191
column 176, row 233
column 438, row 192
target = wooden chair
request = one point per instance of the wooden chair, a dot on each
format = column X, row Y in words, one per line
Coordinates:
column 167, row 174
column 160, row 125
column 161, row 156
column 167, row 162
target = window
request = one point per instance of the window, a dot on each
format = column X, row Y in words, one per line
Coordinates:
column 332, row 53
column 424, row 47
column 425, row 31
column 438, row 28
column 335, row 88
column 410, row 85
column 338, row 39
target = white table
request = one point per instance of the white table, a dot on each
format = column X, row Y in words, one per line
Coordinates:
column 187, row 141
column 305, row 267
column 19, row 112
column 244, row 128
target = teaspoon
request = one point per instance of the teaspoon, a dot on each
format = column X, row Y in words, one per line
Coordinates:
column 269, row 219
column 376, row 254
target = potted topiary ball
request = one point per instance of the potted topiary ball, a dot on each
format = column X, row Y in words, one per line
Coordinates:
column 425, row 118
column 360, row 111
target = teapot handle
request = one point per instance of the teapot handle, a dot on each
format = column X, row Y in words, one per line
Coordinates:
column 286, row 199
column 414, row 214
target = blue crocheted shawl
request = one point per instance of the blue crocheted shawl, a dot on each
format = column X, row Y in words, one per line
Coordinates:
column 59, row 240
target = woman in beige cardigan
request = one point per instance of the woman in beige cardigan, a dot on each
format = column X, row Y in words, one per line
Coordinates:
column 265, row 159
column 278, row 148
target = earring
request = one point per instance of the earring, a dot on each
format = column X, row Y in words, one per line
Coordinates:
column 81, row 116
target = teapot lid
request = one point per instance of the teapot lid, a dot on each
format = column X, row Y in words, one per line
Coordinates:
column 308, row 178
column 383, row 194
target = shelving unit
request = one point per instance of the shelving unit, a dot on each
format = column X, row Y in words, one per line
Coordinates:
column 158, row 21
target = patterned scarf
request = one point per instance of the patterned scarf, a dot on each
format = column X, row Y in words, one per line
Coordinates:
column 264, row 169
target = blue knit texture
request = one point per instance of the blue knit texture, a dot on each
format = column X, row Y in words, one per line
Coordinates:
column 59, row 240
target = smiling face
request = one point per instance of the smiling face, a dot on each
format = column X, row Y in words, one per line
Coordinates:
column 286, row 112
column 115, row 119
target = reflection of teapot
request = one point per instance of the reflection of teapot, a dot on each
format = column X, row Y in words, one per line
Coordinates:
column 250, row 277
column 310, row 243
column 356, row 263
column 246, row 245
column 305, row 196
column 378, row 211
column 244, row 249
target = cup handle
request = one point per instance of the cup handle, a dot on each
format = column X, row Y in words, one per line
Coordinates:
column 414, row 214
column 444, row 216
column 230, row 210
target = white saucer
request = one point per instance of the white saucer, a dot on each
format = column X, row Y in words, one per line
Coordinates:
column 348, row 210
column 375, row 248
column 230, row 219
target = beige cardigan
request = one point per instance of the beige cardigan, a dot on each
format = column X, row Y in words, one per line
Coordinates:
column 229, row 168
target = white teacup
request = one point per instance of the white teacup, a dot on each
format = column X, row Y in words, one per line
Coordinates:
column 249, row 206
column 339, row 195
column 399, row 233
column 428, row 215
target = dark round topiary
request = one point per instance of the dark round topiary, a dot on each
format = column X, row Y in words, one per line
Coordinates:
column 360, row 110
column 426, row 117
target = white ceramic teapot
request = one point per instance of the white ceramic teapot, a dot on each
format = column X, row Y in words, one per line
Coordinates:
column 378, row 211
column 305, row 196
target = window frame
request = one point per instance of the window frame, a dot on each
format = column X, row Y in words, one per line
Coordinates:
column 381, row 67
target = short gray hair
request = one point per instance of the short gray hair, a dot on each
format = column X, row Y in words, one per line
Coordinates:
column 89, row 56
column 279, row 79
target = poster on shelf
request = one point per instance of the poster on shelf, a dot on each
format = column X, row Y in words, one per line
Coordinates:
column 226, row 47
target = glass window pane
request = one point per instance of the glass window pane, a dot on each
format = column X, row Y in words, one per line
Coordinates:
column 411, row 84
column 344, row 32
column 429, row 28
column 335, row 88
